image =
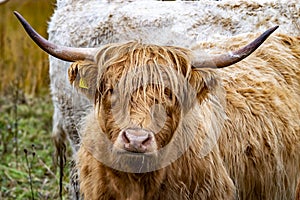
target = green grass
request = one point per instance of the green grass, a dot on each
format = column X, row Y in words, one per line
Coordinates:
column 26, row 147
column 25, row 144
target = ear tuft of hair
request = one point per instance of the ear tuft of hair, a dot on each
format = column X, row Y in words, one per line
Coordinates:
column 83, row 76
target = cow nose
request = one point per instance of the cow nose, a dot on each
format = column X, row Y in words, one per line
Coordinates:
column 137, row 140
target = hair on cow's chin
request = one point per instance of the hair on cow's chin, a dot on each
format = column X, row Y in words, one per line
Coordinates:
column 135, row 162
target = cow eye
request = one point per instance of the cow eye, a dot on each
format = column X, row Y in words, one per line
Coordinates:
column 110, row 90
column 168, row 93
column 113, row 96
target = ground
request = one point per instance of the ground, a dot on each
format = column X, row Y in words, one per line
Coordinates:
column 26, row 149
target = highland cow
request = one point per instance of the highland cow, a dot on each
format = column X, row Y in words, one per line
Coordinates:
column 81, row 23
column 174, row 123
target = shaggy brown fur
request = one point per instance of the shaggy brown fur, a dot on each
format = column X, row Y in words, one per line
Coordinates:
column 251, row 108
column 298, row 191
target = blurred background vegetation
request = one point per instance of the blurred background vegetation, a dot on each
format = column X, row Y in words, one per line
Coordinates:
column 21, row 60
column 26, row 149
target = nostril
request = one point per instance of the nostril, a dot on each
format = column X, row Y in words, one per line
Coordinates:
column 125, row 138
column 147, row 141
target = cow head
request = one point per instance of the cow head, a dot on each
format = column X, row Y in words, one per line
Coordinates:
column 145, row 96
column 141, row 93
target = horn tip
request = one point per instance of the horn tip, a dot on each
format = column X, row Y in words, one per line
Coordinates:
column 268, row 32
column 16, row 13
column 274, row 28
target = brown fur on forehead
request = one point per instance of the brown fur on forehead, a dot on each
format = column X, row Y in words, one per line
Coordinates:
column 131, row 66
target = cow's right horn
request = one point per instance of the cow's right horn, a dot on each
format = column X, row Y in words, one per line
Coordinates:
column 62, row 52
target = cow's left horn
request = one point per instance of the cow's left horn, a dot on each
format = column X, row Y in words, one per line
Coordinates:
column 228, row 59
column 62, row 52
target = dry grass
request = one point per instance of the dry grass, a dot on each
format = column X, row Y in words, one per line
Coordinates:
column 20, row 58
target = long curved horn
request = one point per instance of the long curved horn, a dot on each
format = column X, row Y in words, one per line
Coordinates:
column 228, row 59
column 61, row 52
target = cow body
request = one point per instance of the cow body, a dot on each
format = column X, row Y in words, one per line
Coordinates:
column 94, row 23
column 245, row 144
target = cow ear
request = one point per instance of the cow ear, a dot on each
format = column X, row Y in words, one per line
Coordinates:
column 205, row 81
column 83, row 76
